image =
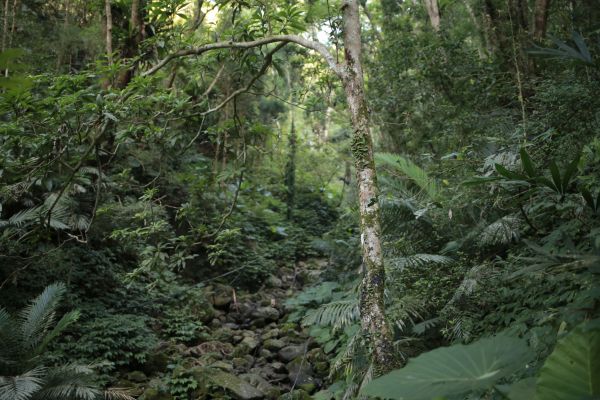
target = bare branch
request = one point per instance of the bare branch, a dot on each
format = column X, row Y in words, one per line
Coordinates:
column 309, row 44
column 263, row 69
column 214, row 81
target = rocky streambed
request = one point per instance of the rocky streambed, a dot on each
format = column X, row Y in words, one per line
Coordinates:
column 251, row 350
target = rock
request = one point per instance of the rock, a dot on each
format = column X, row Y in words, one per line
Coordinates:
column 266, row 313
column 309, row 388
column 278, row 366
column 288, row 353
column 251, row 342
column 137, row 377
column 261, row 384
column 297, row 394
column 264, row 353
column 220, row 296
column 300, row 371
column 271, row 334
column 155, row 394
column 222, row 365
column 274, row 282
column 223, row 334
column 273, row 344
column 240, row 363
column 214, row 347
column 238, row 388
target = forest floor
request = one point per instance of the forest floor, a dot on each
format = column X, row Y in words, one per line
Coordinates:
column 251, row 350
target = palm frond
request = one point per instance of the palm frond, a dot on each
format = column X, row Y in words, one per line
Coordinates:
column 39, row 315
column 60, row 326
column 424, row 326
column 22, row 387
column 406, row 310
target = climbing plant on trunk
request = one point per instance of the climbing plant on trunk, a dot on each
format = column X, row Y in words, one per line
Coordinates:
column 350, row 72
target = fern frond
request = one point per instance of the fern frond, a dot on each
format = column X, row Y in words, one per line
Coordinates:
column 39, row 315
column 406, row 310
column 503, row 231
column 337, row 314
column 405, row 166
column 22, row 387
column 419, row 260
column 424, row 326
column 26, row 216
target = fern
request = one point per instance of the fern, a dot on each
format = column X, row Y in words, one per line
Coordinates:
column 503, row 231
column 406, row 167
column 337, row 314
column 23, row 341
column 419, row 260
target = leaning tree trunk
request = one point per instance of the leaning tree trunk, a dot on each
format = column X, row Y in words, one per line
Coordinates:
column 372, row 311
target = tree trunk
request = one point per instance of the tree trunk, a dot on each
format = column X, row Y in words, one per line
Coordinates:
column 540, row 19
column 5, row 25
column 290, row 172
column 109, row 27
column 433, row 10
column 132, row 44
column 372, row 309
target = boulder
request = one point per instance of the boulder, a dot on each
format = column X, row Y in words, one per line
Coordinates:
column 250, row 342
column 266, row 313
column 238, row 388
column 273, row 344
column 300, row 372
column 288, row 353
column 261, row 384
column 137, row 377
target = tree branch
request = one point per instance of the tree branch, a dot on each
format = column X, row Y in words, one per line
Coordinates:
column 263, row 69
column 309, row 44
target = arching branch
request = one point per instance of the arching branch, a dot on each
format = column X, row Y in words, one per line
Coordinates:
column 261, row 71
column 309, row 44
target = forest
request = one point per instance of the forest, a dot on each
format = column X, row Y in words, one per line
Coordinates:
column 311, row 199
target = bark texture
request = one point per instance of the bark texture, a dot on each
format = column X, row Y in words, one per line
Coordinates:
column 109, row 27
column 372, row 309
column 433, row 10
column 540, row 19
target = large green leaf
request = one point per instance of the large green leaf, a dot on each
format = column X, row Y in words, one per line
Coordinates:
column 572, row 371
column 454, row 370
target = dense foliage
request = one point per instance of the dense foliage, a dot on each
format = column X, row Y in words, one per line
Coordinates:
column 203, row 220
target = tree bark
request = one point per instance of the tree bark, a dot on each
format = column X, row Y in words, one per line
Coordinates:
column 433, row 10
column 372, row 309
column 540, row 19
column 109, row 27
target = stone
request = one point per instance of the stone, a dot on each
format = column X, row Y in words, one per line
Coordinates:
column 137, row 377
column 222, row 365
column 297, row 394
column 288, row 353
column 221, row 296
column 271, row 334
column 274, row 282
column 261, row 384
column 266, row 354
column 300, row 371
column 155, row 394
column 309, row 388
column 238, row 388
column 273, row 344
column 266, row 313
column 278, row 366
column 250, row 341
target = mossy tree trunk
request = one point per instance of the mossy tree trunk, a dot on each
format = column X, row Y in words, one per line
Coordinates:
column 372, row 309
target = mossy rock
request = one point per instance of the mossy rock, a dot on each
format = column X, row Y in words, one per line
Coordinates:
column 216, row 380
column 297, row 394
column 155, row 394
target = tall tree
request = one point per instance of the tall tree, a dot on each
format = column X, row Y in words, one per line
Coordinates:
column 350, row 72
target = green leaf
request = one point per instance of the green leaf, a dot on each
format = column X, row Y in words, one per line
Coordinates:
column 571, row 168
column 572, row 371
column 502, row 170
column 554, row 171
column 453, row 371
column 528, row 165
column 521, row 390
